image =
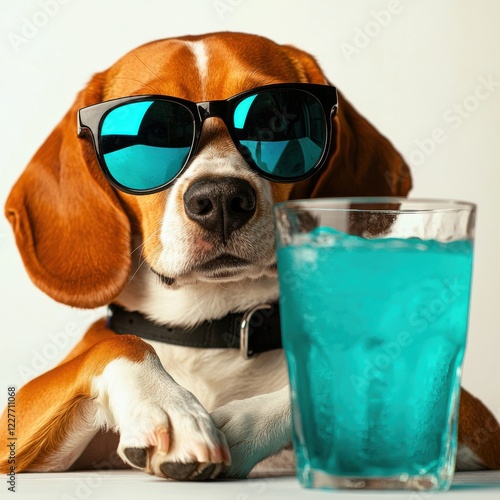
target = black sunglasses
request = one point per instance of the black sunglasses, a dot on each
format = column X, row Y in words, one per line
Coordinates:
column 144, row 142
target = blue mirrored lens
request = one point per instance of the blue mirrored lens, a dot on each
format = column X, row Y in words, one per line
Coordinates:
column 283, row 131
column 145, row 144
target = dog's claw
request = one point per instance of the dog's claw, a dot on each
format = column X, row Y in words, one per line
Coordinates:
column 137, row 456
column 192, row 471
column 178, row 470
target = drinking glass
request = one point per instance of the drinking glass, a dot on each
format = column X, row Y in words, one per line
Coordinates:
column 374, row 301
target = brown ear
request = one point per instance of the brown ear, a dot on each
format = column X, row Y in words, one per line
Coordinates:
column 70, row 228
column 479, row 431
column 362, row 161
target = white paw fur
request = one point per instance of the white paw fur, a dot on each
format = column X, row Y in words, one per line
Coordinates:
column 153, row 413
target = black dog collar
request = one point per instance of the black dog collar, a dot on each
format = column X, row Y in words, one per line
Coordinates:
column 254, row 331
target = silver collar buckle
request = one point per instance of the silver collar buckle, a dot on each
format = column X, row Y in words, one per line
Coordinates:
column 248, row 321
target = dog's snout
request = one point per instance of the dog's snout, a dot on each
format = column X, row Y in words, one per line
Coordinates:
column 220, row 205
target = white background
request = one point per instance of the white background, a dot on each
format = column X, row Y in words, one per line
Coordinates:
column 410, row 75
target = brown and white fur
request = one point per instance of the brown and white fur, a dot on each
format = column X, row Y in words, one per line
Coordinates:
column 178, row 412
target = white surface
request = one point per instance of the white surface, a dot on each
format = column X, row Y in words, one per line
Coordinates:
column 409, row 76
column 136, row 485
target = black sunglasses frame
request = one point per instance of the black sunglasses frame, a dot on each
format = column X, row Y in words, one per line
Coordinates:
column 91, row 118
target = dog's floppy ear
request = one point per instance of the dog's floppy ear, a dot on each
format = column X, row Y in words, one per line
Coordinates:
column 362, row 161
column 71, row 230
column 479, row 432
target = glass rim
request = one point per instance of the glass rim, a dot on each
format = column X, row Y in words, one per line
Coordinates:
column 341, row 204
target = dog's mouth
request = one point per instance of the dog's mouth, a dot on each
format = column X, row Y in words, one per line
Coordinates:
column 224, row 267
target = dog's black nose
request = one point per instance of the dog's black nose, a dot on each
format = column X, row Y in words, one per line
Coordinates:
column 220, row 205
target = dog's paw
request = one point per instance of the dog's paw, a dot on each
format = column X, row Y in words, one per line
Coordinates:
column 255, row 429
column 176, row 440
column 163, row 428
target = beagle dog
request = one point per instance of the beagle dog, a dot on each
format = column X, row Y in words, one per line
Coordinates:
column 153, row 195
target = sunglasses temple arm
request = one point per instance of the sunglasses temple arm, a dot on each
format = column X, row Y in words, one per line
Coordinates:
column 81, row 130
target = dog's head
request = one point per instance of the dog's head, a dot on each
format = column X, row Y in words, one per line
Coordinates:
column 214, row 223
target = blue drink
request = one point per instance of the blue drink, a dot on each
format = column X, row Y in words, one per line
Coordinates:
column 374, row 331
